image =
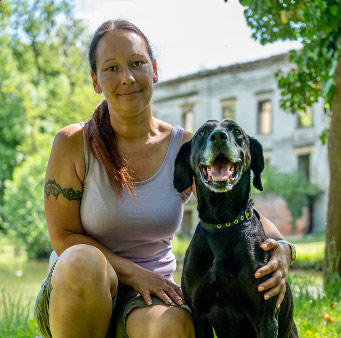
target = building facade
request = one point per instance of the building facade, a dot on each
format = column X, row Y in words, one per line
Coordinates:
column 248, row 93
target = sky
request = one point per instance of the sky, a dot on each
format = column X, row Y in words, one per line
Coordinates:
column 186, row 35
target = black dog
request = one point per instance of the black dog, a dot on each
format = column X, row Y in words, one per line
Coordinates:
column 218, row 276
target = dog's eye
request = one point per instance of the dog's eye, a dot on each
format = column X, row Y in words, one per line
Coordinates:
column 237, row 132
column 203, row 133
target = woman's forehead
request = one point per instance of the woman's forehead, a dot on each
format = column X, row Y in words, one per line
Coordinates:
column 115, row 44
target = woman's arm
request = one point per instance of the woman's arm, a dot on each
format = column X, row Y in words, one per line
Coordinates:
column 62, row 199
column 278, row 264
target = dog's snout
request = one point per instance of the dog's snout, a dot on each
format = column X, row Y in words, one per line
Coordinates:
column 218, row 136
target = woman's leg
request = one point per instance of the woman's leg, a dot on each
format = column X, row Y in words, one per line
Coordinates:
column 83, row 284
column 159, row 321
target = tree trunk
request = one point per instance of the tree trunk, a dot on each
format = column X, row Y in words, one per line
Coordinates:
column 333, row 231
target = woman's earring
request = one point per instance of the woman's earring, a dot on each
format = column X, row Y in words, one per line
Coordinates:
column 154, row 79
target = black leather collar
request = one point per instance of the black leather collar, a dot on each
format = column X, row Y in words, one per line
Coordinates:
column 245, row 215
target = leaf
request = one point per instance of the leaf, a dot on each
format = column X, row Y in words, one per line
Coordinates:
column 324, row 136
column 334, row 9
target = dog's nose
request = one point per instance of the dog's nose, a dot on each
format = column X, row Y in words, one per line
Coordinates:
column 218, row 136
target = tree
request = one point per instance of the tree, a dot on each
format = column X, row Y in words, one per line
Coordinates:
column 45, row 84
column 23, row 207
column 11, row 112
column 316, row 74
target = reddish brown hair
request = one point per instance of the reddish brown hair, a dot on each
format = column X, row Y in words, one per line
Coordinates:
column 100, row 135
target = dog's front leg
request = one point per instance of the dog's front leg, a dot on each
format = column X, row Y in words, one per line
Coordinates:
column 265, row 326
column 203, row 329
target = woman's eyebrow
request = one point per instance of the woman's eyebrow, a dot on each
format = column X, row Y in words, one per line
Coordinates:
column 112, row 59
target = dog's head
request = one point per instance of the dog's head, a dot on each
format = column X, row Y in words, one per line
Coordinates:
column 219, row 154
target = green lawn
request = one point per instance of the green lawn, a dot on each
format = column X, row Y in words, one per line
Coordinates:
column 20, row 281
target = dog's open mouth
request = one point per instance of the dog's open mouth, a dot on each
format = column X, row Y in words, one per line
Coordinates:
column 221, row 173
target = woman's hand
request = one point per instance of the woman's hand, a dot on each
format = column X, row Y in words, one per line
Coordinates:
column 146, row 283
column 279, row 265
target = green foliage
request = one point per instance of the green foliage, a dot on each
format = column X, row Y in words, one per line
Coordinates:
column 315, row 73
column 317, row 25
column 23, row 209
column 16, row 318
column 293, row 187
column 12, row 114
column 45, row 84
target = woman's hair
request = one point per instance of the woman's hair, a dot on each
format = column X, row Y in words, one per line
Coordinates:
column 100, row 135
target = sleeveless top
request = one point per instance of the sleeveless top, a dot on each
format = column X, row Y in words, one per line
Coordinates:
column 137, row 229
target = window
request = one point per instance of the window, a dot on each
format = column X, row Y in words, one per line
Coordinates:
column 304, row 155
column 188, row 120
column 305, row 118
column 304, row 165
column 228, row 108
column 264, row 117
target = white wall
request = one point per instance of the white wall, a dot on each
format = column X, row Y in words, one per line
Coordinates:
column 248, row 83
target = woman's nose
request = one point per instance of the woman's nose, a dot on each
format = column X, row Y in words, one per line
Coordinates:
column 127, row 77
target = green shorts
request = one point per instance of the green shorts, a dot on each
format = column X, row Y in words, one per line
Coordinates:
column 125, row 300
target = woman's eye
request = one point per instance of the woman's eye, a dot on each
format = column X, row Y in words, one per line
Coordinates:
column 237, row 132
column 138, row 63
column 112, row 68
column 202, row 133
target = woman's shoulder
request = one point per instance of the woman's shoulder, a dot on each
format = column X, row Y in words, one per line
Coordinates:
column 69, row 145
column 70, row 136
column 187, row 136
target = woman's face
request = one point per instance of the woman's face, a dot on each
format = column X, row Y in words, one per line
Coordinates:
column 124, row 72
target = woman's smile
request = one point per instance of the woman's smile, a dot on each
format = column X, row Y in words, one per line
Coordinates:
column 130, row 93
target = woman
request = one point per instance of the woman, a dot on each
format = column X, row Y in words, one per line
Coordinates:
column 111, row 209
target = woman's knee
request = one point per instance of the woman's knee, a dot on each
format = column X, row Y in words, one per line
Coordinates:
column 82, row 266
column 170, row 322
column 179, row 322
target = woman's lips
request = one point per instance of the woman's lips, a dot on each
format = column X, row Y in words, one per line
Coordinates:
column 129, row 94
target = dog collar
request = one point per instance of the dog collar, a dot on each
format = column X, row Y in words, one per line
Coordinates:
column 245, row 215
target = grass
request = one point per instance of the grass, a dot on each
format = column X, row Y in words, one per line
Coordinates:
column 20, row 281
column 16, row 317
column 312, row 301
column 311, row 298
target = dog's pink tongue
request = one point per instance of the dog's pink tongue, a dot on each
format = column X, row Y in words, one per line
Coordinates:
column 221, row 170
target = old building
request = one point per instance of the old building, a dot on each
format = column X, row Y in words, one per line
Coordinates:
column 248, row 93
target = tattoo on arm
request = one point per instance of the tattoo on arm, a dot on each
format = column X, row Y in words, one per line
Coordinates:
column 54, row 189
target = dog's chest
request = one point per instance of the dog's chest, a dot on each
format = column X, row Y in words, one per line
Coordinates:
column 226, row 277
column 233, row 267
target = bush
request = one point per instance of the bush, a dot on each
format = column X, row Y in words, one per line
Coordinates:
column 23, row 210
column 293, row 187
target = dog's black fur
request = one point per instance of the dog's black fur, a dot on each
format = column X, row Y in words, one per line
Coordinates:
column 218, row 277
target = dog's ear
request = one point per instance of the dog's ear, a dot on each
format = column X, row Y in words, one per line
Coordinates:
column 257, row 162
column 183, row 173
